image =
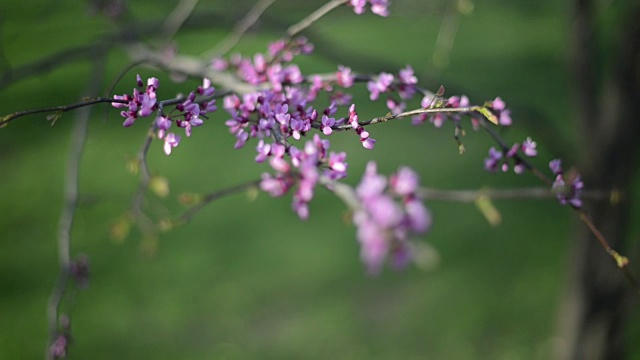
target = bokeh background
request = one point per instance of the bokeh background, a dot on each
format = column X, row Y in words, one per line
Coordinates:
column 246, row 279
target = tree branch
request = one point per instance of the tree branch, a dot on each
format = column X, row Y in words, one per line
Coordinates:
column 70, row 204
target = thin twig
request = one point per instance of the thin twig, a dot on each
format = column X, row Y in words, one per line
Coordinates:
column 178, row 16
column 505, row 148
column 300, row 26
column 207, row 199
column 389, row 117
column 71, row 186
column 145, row 173
column 469, row 196
column 241, row 28
column 446, row 36
column 60, row 109
column 620, row 260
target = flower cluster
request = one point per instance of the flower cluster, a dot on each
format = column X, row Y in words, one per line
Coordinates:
column 567, row 187
column 404, row 86
column 367, row 142
column 499, row 159
column 503, row 114
column 284, row 115
column 142, row 103
column 385, row 225
column 189, row 112
column 270, row 68
column 304, row 168
column 378, row 7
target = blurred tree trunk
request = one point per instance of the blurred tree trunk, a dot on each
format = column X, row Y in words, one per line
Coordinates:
column 597, row 296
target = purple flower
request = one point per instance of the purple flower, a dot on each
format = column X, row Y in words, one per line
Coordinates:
column 170, row 141
column 384, row 224
column 275, row 186
column 358, row 6
column 404, row 182
column 163, row 123
column 556, row 166
column 418, row 216
column 372, row 184
column 504, row 114
column 242, row 137
column 219, row 64
column 407, row 77
column 368, row 143
column 264, row 150
column 491, row 163
column 380, row 85
column 79, row 271
column 337, row 166
column 327, row 123
column 344, row 77
column 380, row 7
column 505, row 118
column 568, row 193
column 529, row 147
column 58, row 349
column 374, row 247
column 498, row 104
column 395, row 107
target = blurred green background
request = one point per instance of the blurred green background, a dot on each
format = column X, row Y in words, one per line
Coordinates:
column 246, row 279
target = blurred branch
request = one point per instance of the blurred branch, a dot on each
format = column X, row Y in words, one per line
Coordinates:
column 241, row 28
column 145, row 224
column 446, row 36
column 582, row 59
column 300, row 26
column 49, row 63
column 469, row 196
column 176, row 19
column 188, row 65
column 71, row 185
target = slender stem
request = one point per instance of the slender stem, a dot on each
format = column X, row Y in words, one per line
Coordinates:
column 178, row 16
column 207, row 199
column 297, row 28
column 87, row 101
column 469, row 196
column 70, row 204
column 241, row 28
column 389, row 117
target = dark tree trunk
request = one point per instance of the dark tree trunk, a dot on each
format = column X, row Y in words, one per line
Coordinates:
column 597, row 297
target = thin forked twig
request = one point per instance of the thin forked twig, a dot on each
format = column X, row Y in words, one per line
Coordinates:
column 241, row 28
column 207, row 199
column 71, row 194
column 300, row 26
column 178, row 16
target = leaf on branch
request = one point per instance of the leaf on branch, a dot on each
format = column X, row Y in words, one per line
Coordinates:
column 621, row 260
column 252, row 193
column 133, row 166
column 119, row 229
column 189, row 198
column 54, row 117
column 160, row 186
column 488, row 114
column 486, row 207
column 4, row 121
column 166, row 225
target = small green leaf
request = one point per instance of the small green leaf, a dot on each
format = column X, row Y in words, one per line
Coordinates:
column 488, row 114
column 484, row 204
